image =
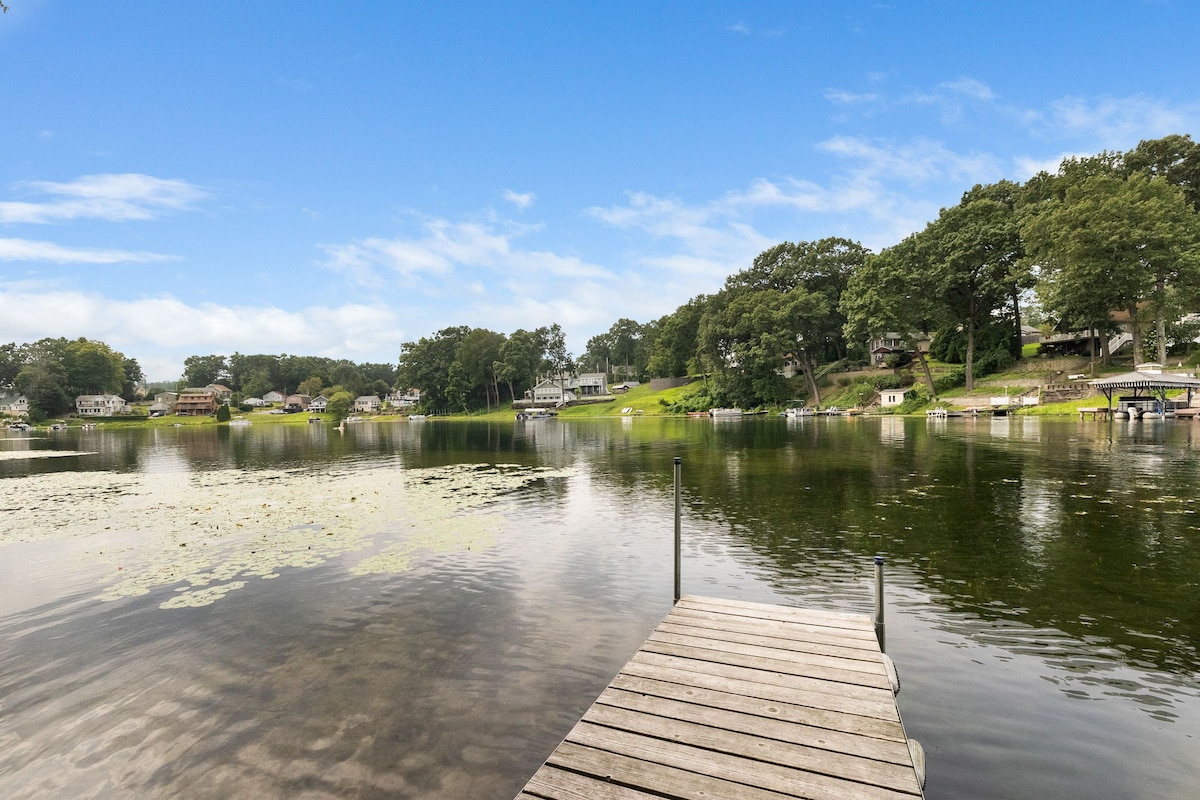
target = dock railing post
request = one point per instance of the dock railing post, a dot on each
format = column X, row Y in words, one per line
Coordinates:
column 678, row 512
column 879, row 626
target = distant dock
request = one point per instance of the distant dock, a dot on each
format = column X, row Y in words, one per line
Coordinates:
column 729, row 699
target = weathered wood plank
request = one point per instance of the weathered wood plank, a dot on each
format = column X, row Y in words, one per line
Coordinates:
column 847, row 637
column 551, row 783
column 665, row 780
column 847, row 733
column 742, row 646
column 809, row 616
column 866, row 701
column 818, row 645
column 762, row 747
column 751, row 772
column 764, row 664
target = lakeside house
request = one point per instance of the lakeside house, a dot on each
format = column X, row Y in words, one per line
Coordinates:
column 890, row 398
column 590, row 384
column 296, row 402
column 224, row 393
column 368, row 402
column 406, row 399
column 318, row 404
column 550, row 392
column 196, row 402
column 14, row 405
column 273, row 397
column 100, row 405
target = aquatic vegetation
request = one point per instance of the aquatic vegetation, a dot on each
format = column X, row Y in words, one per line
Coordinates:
column 209, row 531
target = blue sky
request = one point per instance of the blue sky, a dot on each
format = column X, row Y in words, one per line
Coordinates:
column 335, row 179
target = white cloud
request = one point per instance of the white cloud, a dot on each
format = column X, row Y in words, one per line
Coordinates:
column 521, row 200
column 112, row 197
column 969, row 87
column 844, row 98
column 29, row 250
column 1111, row 122
column 160, row 332
column 448, row 246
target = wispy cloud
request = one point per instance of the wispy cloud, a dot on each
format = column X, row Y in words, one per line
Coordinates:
column 446, row 246
column 844, row 98
column 969, row 87
column 29, row 250
column 1112, row 122
column 111, row 197
column 521, row 200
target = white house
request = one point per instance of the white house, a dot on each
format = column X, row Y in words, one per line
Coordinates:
column 273, row 397
column 551, row 392
column 14, row 405
column 590, row 384
column 889, row 398
column 368, row 402
column 405, row 399
column 99, row 405
column 318, row 404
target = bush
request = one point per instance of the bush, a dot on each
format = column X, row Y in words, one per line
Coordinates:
column 894, row 360
column 995, row 360
column 951, row 380
column 887, row 382
column 223, row 414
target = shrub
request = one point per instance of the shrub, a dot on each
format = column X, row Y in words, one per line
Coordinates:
column 223, row 414
column 950, row 380
column 887, row 382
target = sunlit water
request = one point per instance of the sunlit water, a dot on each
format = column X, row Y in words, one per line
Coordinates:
column 424, row 610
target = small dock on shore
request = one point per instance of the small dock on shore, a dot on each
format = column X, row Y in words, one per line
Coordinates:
column 728, row 699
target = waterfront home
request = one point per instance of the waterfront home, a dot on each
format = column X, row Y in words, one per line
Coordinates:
column 273, row 397
column 405, row 399
column 14, row 405
column 889, row 398
column 317, row 404
column 590, row 384
column 296, row 402
column 100, row 405
column 168, row 399
column 196, row 402
column 368, row 402
column 551, row 392
column 224, row 393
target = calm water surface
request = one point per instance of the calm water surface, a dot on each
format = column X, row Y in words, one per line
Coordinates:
column 424, row 610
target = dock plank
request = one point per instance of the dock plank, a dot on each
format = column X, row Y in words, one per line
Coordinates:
column 741, row 700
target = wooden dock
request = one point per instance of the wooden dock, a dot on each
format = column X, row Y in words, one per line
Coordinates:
column 741, row 700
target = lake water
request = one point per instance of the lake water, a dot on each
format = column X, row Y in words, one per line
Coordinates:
column 424, row 609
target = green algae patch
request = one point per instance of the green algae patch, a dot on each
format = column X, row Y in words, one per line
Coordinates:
column 207, row 533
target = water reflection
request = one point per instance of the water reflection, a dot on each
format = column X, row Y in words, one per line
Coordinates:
column 1039, row 570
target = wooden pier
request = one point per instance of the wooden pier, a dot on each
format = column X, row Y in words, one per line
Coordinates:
column 742, row 700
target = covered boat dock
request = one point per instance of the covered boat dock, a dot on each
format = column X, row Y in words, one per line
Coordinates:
column 1148, row 386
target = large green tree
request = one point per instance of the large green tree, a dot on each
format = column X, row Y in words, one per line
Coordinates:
column 975, row 257
column 890, row 294
column 425, row 364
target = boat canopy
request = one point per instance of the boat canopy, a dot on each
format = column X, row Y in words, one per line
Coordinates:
column 1150, row 384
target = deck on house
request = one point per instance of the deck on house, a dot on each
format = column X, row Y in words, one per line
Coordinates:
column 741, row 700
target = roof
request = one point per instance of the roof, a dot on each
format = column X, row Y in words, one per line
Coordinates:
column 1147, row 380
